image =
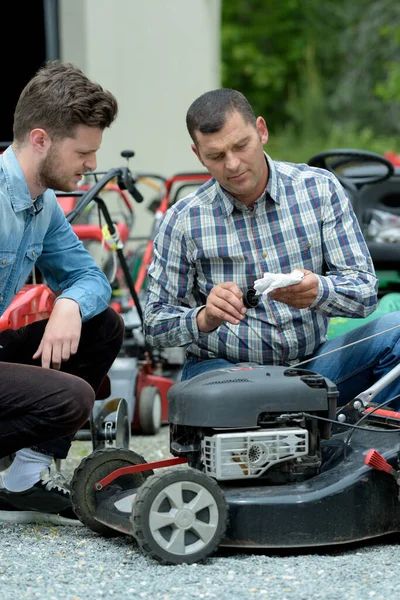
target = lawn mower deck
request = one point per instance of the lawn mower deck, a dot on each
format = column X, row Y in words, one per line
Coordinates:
column 347, row 502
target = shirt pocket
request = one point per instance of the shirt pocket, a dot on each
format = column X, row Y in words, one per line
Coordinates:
column 301, row 251
column 7, row 261
column 31, row 255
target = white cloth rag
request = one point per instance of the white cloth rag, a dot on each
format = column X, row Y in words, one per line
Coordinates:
column 273, row 281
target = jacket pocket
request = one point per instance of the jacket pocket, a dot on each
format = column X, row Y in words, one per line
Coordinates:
column 7, row 259
column 31, row 255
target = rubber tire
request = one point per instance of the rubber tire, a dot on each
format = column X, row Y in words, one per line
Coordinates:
column 91, row 469
column 147, row 423
column 141, row 514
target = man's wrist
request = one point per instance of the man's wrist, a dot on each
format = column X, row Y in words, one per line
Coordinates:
column 204, row 325
column 71, row 301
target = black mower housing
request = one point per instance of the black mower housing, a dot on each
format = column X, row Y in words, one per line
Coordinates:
column 242, row 395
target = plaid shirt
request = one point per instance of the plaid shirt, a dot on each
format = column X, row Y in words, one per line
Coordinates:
column 303, row 220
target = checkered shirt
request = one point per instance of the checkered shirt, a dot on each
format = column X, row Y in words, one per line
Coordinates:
column 302, row 220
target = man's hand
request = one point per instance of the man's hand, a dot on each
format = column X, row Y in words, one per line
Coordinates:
column 298, row 295
column 62, row 334
column 223, row 304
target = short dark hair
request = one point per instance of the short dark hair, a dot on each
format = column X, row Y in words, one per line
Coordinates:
column 60, row 97
column 208, row 113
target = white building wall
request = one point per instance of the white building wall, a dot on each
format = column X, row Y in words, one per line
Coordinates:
column 156, row 56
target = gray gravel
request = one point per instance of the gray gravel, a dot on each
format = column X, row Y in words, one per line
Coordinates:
column 74, row 563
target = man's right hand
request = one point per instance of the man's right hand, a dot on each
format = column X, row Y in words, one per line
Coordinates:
column 225, row 303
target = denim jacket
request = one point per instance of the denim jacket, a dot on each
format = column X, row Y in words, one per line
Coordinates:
column 39, row 233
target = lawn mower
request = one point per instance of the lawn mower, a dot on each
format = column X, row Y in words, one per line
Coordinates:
column 137, row 373
column 129, row 380
column 275, row 465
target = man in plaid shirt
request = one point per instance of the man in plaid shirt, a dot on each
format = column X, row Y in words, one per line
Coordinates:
column 254, row 216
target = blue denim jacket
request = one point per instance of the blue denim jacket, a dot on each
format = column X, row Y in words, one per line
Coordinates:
column 39, row 233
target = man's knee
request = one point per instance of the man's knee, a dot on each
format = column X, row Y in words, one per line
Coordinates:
column 388, row 325
column 107, row 326
column 116, row 323
column 77, row 404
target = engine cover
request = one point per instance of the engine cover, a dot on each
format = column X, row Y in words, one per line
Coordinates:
column 235, row 397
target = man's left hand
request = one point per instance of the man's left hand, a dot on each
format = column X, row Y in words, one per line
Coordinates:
column 62, row 334
column 299, row 295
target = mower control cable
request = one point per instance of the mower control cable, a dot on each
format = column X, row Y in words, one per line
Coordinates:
column 353, row 427
column 357, row 425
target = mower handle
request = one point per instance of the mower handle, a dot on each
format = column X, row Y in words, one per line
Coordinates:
column 369, row 394
column 125, row 182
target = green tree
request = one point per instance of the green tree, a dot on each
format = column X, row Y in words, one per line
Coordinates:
column 316, row 67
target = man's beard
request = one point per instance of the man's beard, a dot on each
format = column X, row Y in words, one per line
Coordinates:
column 48, row 175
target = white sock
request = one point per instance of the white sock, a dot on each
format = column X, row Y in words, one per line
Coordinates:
column 25, row 469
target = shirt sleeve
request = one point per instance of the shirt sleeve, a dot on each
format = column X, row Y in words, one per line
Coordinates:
column 70, row 270
column 170, row 311
column 349, row 286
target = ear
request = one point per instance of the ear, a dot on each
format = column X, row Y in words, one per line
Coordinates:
column 262, row 130
column 39, row 140
column 197, row 153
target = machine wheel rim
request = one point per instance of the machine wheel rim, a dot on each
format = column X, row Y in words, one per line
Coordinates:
column 189, row 533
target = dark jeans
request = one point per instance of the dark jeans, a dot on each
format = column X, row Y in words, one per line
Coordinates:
column 44, row 408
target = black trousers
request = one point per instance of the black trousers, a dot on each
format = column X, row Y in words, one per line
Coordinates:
column 44, row 408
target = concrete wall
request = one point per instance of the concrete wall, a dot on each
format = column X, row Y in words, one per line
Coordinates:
column 156, row 56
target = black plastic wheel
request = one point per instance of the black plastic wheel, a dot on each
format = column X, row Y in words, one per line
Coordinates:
column 91, row 469
column 179, row 516
column 150, row 410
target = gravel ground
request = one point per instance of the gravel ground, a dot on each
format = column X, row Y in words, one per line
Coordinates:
column 74, row 563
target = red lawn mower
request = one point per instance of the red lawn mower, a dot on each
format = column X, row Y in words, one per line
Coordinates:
column 137, row 373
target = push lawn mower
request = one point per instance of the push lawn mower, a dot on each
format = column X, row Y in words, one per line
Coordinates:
column 140, row 259
column 137, row 373
column 145, row 374
column 275, row 465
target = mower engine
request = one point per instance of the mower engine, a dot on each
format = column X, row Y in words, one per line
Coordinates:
column 251, row 421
